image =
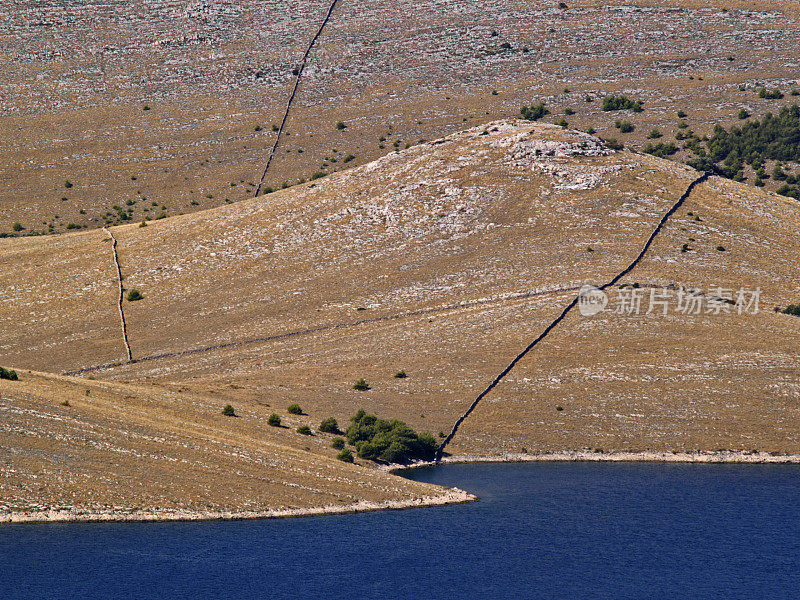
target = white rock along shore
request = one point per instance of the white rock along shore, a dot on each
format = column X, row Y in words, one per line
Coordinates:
column 451, row 496
column 726, row 456
column 85, row 515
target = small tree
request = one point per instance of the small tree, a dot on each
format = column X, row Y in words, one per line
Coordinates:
column 792, row 309
column 228, row 411
column 304, row 430
column 10, row 375
column 534, row 112
column 294, row 409
column 345, row 455
column 134, row 295
column 338, row 443
column 274, row 420
column 329, row 425
column 361, row 385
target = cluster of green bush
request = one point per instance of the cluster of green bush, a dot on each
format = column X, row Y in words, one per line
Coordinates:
column 534, row 112
column 792, row 309
column 661, row 149
column 774, row 137
column 8, row 374
column 766, row 94
column 391, row 441
column 621, row 103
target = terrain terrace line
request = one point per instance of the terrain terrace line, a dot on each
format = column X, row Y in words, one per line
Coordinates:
column 321, row 328
column 567, row 309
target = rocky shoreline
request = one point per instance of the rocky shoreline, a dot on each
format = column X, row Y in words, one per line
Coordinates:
column 87, row 515
column 451, row 496
column 727, row 456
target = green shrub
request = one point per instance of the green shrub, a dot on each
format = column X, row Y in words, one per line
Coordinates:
column 318, row 175
column 534, row 112
column 400, row 375
column 654, row 134
column 621, row 103
column 562, row 122
column 304, row 430
column 345, row 456
column 661, row 149
column 66, row 403
column 624, row 126
column 789, row 191
column 743, row 113
column 613, row 144
column 392, row 441
column 274, row 420
column 770, row 94
column 67, row 184
column 568, row 111
column 228, row 411
column 348, row 158
column 134, row 295
column 681, row 114
column 329, row 425
column 340, row 126
column 361, row 385
column 337, row 443
column 294, row 409
column 17, row 227
column 720, row 248
column 10, row 375
column 792, row 309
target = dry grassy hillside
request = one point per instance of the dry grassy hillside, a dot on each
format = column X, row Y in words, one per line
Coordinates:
column 443, row 260
column 122, row 451
column 215, row 76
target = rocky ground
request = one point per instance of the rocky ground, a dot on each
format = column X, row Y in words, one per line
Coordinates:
column 167, row 107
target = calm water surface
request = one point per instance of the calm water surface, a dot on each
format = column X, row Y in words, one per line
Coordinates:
column 575, row 530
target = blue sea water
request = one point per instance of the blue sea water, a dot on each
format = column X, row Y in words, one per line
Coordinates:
column 540, row 530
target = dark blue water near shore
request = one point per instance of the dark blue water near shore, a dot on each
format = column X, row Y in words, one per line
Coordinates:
column 576, row 530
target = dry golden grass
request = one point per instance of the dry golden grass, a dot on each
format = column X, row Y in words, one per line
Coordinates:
column 459, row 252
column 121, row 450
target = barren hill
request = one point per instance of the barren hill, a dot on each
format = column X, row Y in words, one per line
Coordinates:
column 444, row 261
column 172, row 102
